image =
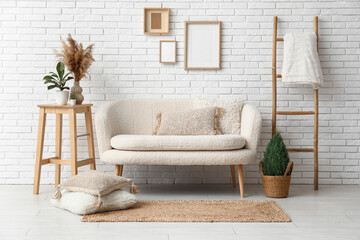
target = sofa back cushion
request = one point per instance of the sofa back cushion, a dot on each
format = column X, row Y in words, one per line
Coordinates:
column 138, row 116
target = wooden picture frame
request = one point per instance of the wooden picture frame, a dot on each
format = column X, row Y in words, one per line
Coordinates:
column 167, row 52
column 202, row 45
column 156, row 20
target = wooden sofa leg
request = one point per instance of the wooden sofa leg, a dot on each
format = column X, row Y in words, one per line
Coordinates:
column 233, row 177
column 118, row 170
column 241, row 180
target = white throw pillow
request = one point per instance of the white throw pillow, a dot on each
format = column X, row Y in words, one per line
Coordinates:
column 230, row 122
column 82, row 203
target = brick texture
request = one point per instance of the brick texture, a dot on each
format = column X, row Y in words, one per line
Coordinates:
column 127, row 66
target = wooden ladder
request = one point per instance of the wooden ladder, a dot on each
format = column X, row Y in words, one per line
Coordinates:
column 275, row 76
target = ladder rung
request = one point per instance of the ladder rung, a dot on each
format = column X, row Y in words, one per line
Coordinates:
column 279, row 76
column 300, row 149
column 280, row 39
column 83, row 135
column 295, row 113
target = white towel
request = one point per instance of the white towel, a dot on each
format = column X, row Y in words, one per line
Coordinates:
column 301, row 63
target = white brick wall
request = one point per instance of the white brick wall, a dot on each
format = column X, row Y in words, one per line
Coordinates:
column 127, row 67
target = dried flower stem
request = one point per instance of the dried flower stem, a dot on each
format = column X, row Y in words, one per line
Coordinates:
column 77, row 59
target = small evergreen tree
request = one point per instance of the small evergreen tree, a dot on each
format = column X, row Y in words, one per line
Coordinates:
column 276, row 157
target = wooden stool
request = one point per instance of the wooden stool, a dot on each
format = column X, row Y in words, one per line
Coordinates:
column 59, row 110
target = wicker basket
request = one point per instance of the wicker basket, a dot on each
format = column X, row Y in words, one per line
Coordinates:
column 276, row 186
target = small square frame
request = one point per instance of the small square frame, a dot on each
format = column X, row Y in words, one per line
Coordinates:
column 165, row 12
column 163, row 42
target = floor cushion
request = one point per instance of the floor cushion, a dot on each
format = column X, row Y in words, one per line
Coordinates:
column 95, row 183
column 82, row 203
column 177, row 143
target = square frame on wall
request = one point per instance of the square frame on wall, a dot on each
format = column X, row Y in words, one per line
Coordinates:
column 202, row 45
column 167, row 51
column 156, row 20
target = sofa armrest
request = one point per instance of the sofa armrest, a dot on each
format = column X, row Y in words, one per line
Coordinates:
column 251, row 126
column 103, row 126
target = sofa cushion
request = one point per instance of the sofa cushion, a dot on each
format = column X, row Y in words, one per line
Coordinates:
column 230, row 122
column 177, row 143
column 179, row 158
column 201, row 121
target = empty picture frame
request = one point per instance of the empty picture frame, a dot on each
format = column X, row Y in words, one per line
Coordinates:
column 156, row 20
column 167, row 51
column 202, row 45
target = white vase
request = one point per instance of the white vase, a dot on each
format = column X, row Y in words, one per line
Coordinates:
column 72, row 102
column 62, row 97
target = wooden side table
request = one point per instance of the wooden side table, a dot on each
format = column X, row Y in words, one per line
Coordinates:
column 59, row 110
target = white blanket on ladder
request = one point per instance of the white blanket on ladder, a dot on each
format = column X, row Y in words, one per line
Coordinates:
column 301, row 63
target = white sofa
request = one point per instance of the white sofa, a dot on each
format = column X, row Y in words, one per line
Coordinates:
column 124, row 134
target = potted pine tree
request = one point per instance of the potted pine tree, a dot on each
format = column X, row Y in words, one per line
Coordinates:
column 276, row 168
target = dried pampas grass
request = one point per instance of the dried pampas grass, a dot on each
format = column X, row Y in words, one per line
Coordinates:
column 77, row 59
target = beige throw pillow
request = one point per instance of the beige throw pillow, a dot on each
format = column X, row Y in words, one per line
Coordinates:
column 95, row 183
column 230, row 123
column 202, row 121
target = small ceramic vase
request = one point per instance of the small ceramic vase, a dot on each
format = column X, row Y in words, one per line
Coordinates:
column 77, row 90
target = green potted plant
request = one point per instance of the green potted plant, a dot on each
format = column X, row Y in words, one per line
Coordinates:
column 72, row 98
column 276, row 168
column 58, row 80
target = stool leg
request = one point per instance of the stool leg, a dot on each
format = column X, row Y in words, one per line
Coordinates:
column 58, row 140
column 39, row 149
column 73, row 141
column 90, row 138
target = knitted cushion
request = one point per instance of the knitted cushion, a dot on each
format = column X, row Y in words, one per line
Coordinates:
column 230, row 120
column 202, row 121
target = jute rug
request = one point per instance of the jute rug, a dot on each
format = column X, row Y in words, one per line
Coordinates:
column 195, row 211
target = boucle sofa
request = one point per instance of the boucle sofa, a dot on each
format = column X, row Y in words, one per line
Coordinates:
column 124, row 134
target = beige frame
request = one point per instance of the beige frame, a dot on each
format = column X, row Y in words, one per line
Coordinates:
column 186, row 23
column 161, row 41
column 165, row 12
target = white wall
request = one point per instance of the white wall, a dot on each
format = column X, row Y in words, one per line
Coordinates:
column 127, row 67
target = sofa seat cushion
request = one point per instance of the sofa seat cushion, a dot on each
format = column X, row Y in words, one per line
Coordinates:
column 177, row 143
column 179, row 158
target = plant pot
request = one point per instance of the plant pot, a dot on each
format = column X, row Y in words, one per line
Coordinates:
column 72, row 102
column 277, row 186
column 77, row 90
column 61, row 97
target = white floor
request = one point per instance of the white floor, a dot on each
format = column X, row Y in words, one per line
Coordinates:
column 333, row 212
